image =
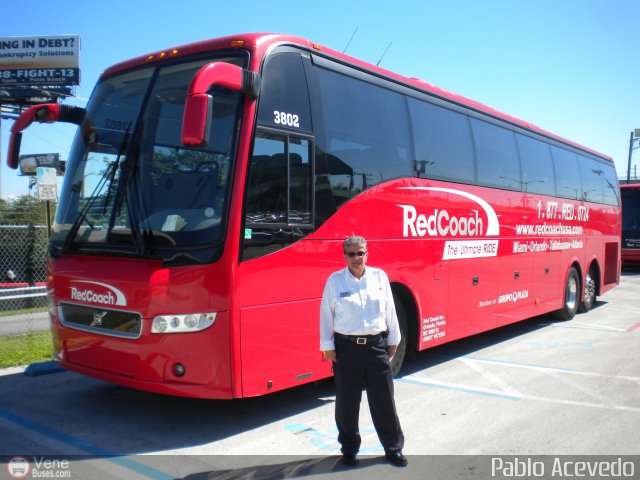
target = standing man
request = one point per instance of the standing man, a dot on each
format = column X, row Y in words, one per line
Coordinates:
column 359, row 332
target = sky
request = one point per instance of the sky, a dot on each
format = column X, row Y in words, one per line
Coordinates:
column 571, row 67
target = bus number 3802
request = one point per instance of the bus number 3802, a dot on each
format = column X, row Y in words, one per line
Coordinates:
column 286, row 119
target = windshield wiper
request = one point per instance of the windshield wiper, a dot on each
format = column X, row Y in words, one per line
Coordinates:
column 141, row 240
column 82, row 217
column 107, row 179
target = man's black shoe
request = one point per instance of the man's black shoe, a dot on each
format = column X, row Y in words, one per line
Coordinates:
column 349, row 459
column 397, row 458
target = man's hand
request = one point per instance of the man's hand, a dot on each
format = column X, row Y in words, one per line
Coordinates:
column 329, row 355
column 391, row 350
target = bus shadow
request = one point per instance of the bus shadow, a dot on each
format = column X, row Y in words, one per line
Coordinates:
column 630, row 271
column 466, row 346
column 106, row 419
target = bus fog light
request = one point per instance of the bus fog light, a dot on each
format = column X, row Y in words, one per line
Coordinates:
column 179, row 370
column 181, row 323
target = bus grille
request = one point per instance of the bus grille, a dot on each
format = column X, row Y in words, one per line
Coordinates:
column 100, row 320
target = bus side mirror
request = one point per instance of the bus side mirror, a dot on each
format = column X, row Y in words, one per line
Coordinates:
column 198, row 106
column 44, row 113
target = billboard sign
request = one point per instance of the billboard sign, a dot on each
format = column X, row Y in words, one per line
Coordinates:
column 29, row 163
column 45, row 60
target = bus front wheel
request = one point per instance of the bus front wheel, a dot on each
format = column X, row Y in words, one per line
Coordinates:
column 398, row 358
column 571, row 299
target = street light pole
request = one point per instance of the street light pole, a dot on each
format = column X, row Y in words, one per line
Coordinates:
column 634, row 136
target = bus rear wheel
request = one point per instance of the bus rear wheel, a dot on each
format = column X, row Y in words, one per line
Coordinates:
column 589, row 292
column 571, row 296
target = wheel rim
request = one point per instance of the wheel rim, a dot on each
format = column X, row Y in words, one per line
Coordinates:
column 590, row 289
column 572, row 293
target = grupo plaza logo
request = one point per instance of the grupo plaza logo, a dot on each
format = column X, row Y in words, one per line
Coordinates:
column 440, row 223
column 18, row 467
column 96, row 292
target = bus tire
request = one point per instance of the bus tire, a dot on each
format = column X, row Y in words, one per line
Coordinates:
column 398, row 358
column 589, row 292
column 571, row 298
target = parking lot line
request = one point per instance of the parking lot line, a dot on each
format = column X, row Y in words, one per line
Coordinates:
column 83, row 445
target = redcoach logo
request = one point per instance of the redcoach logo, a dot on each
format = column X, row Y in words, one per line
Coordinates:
column 96, row 292
column 440, row 223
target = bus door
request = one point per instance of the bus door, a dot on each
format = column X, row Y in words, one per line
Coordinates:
column 278, row 308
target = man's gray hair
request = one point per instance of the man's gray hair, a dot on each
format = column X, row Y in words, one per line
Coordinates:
column 354, row 240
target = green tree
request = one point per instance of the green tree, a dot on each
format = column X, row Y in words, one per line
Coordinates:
column 24, row 210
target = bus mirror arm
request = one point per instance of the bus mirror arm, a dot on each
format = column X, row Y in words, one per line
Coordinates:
column 198, row 106
column 44, row 113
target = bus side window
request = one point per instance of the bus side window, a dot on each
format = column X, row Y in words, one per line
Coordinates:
column 537, row 166
column 267, row 189
column 363, row 137
column 593, row 183
column 568, row 182
column 443, row 144
column 278, row 199
column 498, row 163
column 611, row 188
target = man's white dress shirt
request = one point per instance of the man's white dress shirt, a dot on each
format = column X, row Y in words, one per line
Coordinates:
column 353, row 306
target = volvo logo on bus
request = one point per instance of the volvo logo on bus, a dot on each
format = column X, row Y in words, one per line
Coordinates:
column 96, row 292
column 97, row 319
column 440, row 223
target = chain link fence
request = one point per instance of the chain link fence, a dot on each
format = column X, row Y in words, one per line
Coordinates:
column 23, row 257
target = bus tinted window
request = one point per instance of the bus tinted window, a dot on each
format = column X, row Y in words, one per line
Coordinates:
column 568, row 184
column 267, row 190
column 592, row 180
column 611, row 189
column 443, row 148
column 496, row 156
column 284, row 99
column 365, row 133
column 279, row 189
column 537, row 166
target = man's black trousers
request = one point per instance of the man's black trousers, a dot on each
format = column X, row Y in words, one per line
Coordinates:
column 367, row 367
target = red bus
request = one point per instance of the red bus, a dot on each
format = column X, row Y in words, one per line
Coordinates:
column 630, row 196
column 209, row 189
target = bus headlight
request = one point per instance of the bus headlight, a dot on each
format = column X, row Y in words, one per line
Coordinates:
column 182, row 323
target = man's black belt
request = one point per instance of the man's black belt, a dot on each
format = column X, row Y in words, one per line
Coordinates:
column 363, row 339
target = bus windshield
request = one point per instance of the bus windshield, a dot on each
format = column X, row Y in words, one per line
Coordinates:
column 131, row 188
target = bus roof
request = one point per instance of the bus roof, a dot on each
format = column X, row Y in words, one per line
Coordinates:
column 260, row 43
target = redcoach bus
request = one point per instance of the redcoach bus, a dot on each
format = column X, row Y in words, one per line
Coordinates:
column 630, row 196
column 209, row 189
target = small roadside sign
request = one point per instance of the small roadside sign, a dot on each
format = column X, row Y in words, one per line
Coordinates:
column 47, row 183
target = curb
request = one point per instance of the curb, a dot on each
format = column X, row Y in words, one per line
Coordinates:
column 42, row 368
